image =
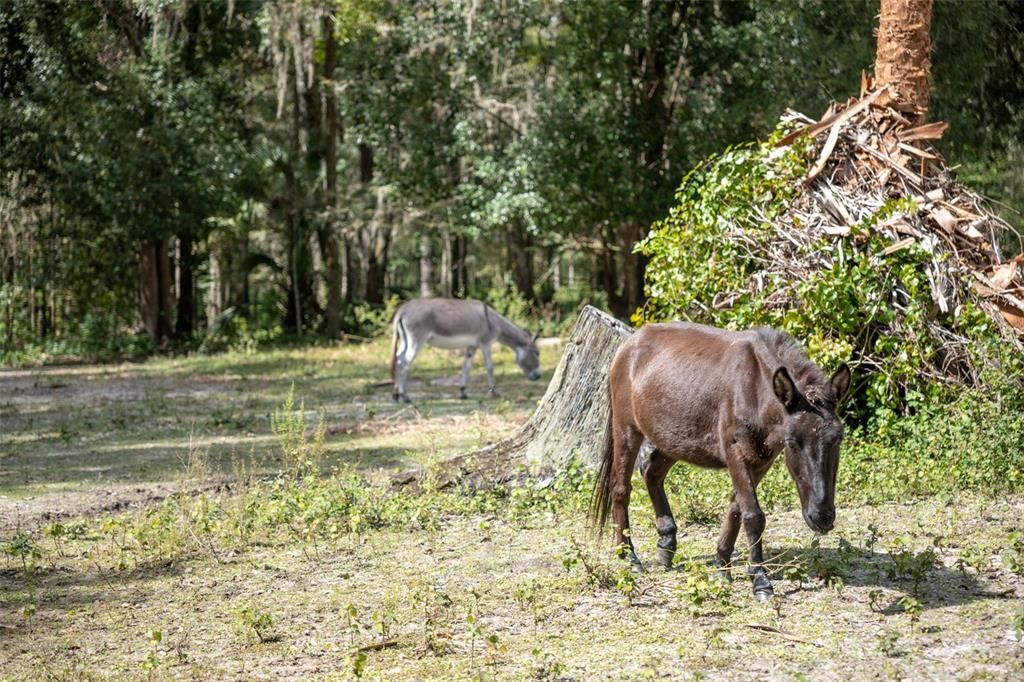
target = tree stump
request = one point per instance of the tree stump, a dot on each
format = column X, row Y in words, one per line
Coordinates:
column 570, row 421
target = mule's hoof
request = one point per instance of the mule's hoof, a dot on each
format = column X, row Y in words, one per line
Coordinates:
column 762, row 587
column 635, row 566
column 406, row 399
column 493, row 393
column 394, row 396
column 722, row 575
column 462, row 394
column 664, row 557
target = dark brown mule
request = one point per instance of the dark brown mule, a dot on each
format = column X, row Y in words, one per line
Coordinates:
column 721, row 399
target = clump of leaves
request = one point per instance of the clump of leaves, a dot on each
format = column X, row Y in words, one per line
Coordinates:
column 910, row 565
column 254, row 623
column 703, row 589
column 22, row 548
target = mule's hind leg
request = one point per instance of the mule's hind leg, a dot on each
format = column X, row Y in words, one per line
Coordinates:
column 626, row 440
column 406, row 354
column 655, row 469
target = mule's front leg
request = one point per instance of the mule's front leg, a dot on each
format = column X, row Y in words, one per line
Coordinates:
column 753, row 524
column 727, row 538
column 744, row 483
column 466, row 364
column 492, row 389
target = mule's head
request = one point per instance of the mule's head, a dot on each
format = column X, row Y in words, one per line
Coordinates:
column 812, row 434
column 528, row 358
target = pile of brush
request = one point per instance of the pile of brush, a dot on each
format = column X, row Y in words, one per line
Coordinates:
column 867, row 155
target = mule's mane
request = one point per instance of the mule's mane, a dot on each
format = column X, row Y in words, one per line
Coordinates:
column 793, row 357
column 509, row 333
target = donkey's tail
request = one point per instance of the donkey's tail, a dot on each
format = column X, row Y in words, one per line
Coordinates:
column 601, row 500
column 394, row 345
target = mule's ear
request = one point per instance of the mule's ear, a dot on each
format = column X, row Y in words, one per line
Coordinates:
column 785, row 389
column 841, row 382
column 535, row 337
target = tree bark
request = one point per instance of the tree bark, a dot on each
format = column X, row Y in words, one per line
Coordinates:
column 186, row 321
column 570, row 422
column 903, row 55
column 154, row 289
column 327, row 235
column 520, row 256
column 426, row 267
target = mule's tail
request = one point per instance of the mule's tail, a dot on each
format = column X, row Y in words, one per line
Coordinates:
column 394, row 345
column 601, row 500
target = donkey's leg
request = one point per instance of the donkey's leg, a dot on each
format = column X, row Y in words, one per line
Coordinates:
column 402, row 365
column 626, row 440
column 492, row 389
column 655, row 471
column 744, row 484
column 466, row 364
column 727, row 537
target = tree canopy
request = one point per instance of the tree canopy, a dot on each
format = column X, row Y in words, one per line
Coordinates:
column 224, row 173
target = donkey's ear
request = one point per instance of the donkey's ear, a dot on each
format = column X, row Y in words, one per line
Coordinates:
column 535, row 337
column 785, row 389
column 841, row 382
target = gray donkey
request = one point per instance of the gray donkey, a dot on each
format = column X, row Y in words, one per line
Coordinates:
column 456, row 323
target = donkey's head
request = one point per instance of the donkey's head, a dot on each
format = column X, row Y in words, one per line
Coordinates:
column 528, row 358
column 812, row 434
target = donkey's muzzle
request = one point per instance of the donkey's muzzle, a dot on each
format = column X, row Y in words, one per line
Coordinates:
column 534, row 375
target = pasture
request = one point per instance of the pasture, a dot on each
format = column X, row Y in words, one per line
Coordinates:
column 186, row 519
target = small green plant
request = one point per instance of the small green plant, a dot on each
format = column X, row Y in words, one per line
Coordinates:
column 24, row 549
column 60, row 534
column 910, row 565
column 359, row 664
column 626, row 584
column 1017, row 625
column 912, row 607
column 1013, row 555
column 545, row 666
column 703, row 588
column 152, row 660
column 253, row 623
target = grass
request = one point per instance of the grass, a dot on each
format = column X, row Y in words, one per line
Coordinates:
column 75, row 437
column 320, row 573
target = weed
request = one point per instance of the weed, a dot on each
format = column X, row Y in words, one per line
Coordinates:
column 1013, row 554
column 24, row 549
column 910, row 565
column 702, row 588
column 251, row 622
column 152, row 660
column 545, row 666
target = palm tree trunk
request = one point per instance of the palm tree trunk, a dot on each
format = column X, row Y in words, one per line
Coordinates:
column 903, row 55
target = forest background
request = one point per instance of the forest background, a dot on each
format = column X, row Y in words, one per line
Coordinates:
column 182, row 174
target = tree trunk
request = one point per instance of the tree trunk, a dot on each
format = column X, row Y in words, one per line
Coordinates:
column 520, row 256
column 570, row 421
column 426, row 267
column 154, row 289
column 327, row 234
column 903, row 56
column 185, row 324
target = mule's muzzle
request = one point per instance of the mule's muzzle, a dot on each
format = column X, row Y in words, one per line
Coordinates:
column 534, row 375
column 821, row 520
